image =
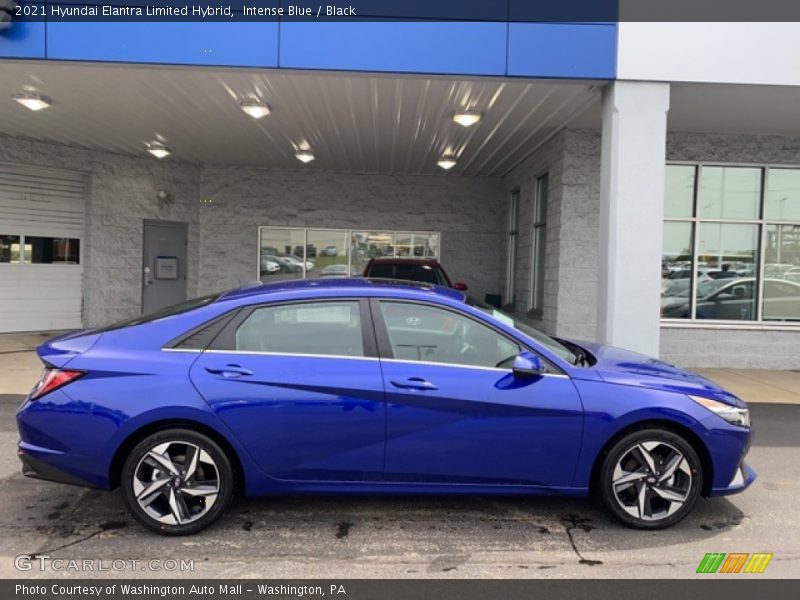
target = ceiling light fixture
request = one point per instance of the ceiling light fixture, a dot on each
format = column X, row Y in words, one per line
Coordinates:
column 304, row 155
column 467, row 118
column 158, row 149
column 255, row 109
column 447, row 162
column 33, row 101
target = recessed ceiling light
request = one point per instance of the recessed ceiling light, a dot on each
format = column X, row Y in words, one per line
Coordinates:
column 467, row 117
column 255, row 109
column 304, row 156
column 33, row 100
column 447, row 162
column 158, row 149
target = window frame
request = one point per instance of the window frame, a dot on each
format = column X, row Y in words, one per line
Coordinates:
column 23, row 255
column 512, row 237
column 538, row 229
column 761, row 223
column 225, row 340
column 387, row 353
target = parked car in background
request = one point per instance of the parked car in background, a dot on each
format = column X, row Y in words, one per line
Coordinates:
column 335, row 271
column 287, row 265
column 426, row 270
column 372, row 387
column 330, row 251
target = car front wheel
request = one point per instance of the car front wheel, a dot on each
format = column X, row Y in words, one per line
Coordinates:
column 651, row 478
column 177, row 482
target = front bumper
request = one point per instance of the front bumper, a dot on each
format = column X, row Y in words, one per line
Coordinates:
column 742, row 479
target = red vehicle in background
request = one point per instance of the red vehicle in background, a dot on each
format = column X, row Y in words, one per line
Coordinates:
column 426, row 270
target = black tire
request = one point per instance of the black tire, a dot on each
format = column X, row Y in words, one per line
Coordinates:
column 688, row 479
column 220, row 473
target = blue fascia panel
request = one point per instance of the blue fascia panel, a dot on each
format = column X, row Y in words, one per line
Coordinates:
column 562, row 50
column 241, row 44
column 463, row 48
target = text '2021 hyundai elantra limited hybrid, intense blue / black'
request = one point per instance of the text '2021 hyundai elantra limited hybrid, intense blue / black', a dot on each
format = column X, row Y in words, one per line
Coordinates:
column 371, row 386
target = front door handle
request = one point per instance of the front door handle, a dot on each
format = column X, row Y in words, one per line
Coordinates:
column 414, row 383
column 229, row 371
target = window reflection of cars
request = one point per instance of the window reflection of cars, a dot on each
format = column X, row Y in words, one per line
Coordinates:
column 735, row 299
column 335, row 271
column 286, row 264
column 269, row 266
column 330, row 251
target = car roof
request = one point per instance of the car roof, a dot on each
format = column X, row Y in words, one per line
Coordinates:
column 355, row 286
column 392, row 260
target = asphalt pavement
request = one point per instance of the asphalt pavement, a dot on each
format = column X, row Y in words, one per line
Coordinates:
column 399, row 537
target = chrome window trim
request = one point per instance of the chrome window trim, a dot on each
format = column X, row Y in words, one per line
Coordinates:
column 302, row 355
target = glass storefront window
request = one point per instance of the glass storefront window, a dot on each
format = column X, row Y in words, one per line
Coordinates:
column 746, row 263
column 783, row 195
column 729, row 193
column 679, row 191
column 676, row 270
column 282, row 254
column 781, row 300
column 727, row 254
column 294, row 253
column 330, row 249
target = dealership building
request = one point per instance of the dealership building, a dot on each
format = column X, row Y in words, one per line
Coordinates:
column 632, row 183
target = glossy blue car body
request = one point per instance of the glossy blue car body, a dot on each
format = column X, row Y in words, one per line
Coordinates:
column 309, row 423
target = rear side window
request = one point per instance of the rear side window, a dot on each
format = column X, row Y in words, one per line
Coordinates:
column 328, row 328
column 424, row 273
column 175, row 309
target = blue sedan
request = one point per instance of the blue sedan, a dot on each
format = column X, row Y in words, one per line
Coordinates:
column 371, row 386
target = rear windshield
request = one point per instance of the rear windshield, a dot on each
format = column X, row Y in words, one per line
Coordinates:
column 175, row 309
column 423, row 273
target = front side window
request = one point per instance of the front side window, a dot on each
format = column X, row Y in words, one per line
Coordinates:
column 424, row 333
column 326, row 328
column 731, row 244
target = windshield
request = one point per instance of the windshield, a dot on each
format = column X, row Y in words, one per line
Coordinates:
column 555, row 346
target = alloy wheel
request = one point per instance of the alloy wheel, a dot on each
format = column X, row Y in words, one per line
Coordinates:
column 652, row 480
column 176, row 482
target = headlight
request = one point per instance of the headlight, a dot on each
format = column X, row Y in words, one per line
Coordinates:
column 732, row 414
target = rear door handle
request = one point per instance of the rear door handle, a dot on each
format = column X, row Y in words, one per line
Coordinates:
column 414, row 383
column 229, row 371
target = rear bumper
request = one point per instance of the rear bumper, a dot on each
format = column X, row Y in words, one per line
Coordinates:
column 38, row 469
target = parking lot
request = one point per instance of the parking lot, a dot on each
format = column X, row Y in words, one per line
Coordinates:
column 395, row 537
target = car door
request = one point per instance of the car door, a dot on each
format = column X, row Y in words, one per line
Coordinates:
column 457, row 414
column 300, row 386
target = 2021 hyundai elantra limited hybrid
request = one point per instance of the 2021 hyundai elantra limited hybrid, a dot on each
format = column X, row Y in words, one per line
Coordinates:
column 372, row 387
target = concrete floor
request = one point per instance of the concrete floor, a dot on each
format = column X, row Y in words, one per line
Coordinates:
column 370, row 537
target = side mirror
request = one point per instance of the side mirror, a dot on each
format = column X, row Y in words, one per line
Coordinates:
column 461, row 287
column 527, row 364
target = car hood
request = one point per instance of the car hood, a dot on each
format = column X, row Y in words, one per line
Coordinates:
column 625, row 367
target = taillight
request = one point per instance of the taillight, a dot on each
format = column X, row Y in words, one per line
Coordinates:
column 52, row 379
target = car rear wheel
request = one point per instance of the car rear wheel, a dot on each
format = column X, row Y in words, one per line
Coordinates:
column 177, row 482
column 650, row 479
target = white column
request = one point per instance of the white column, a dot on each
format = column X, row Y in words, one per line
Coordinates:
column 631, row 212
